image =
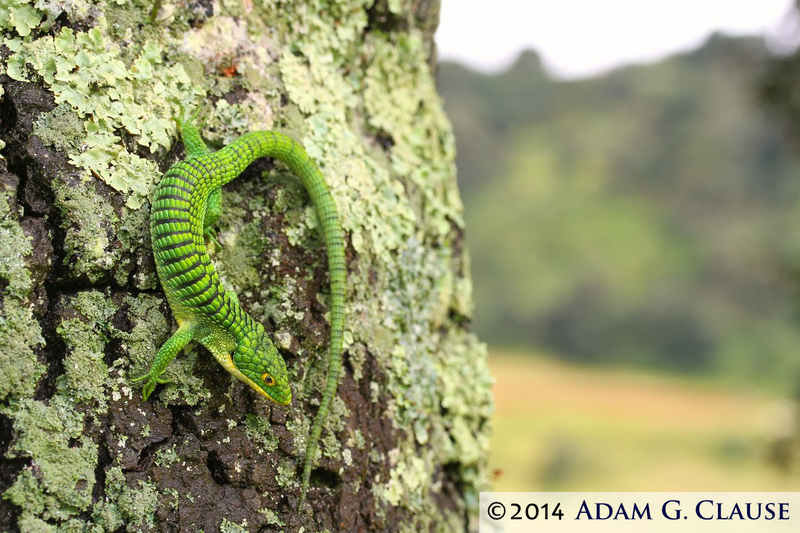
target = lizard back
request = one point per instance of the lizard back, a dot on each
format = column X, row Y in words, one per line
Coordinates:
column 187, row 274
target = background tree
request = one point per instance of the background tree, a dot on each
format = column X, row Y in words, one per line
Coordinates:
column 778, row 87
column 88, row 90
column 645, row 215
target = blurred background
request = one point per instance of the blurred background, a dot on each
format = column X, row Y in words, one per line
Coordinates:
column 631, row 178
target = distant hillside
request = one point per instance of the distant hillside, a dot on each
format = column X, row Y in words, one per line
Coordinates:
column 645, row 216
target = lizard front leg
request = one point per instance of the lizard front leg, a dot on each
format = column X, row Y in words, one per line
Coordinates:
column 165, row 355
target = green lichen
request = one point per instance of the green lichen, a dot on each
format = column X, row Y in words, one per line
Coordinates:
column 299, row 429
column 287, row 475
column 125, row 505
column 356, row 440
column 398, row 6
column 89, row 222
column 332, row 446
column 258, row 431
column 424, row 154
column 167, row 457
column 408, row 481
column 132, row 232
column 61, row 484
column 97, row 240
column 61, row 128
column 148, row 322
column 241, row 253
column 60, row 487
column 85, row 371
column 270, row 518
column 20, row 334
column 14, row 246
column 172, row 493
column 49, row 435
column 114, row 91
column 17, row 15
column 358, row 357
column 226, row 526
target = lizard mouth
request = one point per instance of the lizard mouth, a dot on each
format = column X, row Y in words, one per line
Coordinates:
column 264, row 393
column 286, row 398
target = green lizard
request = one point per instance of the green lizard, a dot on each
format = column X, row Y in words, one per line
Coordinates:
column 185, row 206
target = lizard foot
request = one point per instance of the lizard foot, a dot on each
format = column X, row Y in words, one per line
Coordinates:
column 186, row 118
column 211, row 237
column 151, row 383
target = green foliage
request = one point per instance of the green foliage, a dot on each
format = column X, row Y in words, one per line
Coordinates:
column 640, row 217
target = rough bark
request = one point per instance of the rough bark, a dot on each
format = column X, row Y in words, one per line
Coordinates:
column 88, row 90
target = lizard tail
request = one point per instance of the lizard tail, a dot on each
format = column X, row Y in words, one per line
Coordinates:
column 254, row 145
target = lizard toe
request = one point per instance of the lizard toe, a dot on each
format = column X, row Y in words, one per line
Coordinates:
column 140, row 378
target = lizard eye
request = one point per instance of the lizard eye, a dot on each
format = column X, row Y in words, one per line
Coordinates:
column 266, row 378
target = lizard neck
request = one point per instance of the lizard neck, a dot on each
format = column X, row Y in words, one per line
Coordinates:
column 242, row 327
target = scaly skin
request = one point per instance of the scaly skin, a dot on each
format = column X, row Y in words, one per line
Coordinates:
column 185, row 206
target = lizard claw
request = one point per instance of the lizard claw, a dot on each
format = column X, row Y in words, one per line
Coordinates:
column 185, row 118
column 180, row 118
column 150, row 386
column 148, row 389
column 140, row 378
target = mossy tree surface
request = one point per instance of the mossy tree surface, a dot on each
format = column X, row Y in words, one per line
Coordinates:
column 88, row 89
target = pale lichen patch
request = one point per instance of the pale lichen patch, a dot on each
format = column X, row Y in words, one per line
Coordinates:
column 61, row 484
column 111, row 91
column 88, row 222
column 20, row 333
column 125, row 505
column 85, row 372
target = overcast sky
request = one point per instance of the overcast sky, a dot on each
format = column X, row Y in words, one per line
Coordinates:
column 583, row 37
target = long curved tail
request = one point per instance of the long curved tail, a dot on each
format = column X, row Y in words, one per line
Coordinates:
column 244, row 151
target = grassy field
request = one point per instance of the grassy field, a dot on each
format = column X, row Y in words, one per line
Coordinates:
column 564, row 428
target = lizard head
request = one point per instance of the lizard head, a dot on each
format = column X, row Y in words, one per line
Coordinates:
column 262, row 367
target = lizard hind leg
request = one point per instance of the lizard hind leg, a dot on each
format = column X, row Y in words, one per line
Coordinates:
column 165, row 355
column 190, row 134
column 213, row 212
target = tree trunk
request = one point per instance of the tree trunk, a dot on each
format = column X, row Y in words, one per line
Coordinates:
column 89, row 88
